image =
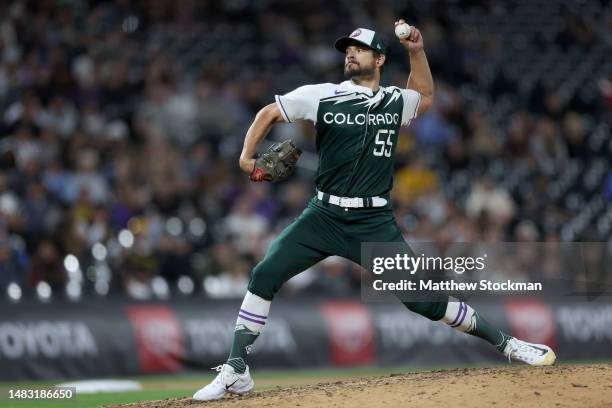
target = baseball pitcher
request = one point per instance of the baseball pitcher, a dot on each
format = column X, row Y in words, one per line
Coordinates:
column 357, row 124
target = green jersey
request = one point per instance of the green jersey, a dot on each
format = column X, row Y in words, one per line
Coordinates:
column 357, row 132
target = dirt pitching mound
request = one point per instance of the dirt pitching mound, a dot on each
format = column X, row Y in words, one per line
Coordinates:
column 583, row 386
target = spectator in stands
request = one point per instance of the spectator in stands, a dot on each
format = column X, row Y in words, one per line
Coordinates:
column 517, row 145
column 574, row 133
column 13, row 259
column 414, row 180
column 47, row 265
column 491, row 200
column 547, row 146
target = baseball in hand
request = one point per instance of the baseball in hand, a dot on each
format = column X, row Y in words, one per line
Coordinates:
column 403, row 30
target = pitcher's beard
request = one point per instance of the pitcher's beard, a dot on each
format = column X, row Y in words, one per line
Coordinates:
column 356, row 71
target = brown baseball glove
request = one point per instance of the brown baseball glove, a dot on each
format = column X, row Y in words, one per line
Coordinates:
column 276, row 163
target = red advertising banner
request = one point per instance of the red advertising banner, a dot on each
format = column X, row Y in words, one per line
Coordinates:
column 351, row 333
column 158, row 336
column 532, row 320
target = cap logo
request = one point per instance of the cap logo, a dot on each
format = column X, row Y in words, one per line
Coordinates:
column 355, row 33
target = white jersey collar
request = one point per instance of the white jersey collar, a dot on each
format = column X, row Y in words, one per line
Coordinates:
column 353, row 86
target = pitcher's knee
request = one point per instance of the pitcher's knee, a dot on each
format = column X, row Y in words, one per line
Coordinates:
column 264, row 282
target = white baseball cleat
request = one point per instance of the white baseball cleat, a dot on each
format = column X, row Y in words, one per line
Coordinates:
column 227, row 380
column 529, row 353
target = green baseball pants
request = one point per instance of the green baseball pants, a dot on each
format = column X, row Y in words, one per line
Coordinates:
column 323, row 230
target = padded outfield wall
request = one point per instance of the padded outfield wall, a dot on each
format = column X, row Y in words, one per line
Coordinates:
column 109, row 338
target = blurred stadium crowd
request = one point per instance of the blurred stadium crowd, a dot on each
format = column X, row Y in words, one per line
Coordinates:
column 122, row 122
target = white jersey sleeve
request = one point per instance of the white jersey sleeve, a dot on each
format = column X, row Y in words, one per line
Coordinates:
column 301, row 103
column 412, row 99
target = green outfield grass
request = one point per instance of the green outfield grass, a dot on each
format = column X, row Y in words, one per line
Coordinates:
column 183, row 385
